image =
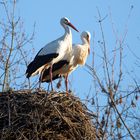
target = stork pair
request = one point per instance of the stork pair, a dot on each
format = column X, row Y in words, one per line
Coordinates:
column 59, row 57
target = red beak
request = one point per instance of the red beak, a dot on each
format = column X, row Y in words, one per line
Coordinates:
column 88, row 40
column 72, row 26
column 89, row 45
column 88, row 50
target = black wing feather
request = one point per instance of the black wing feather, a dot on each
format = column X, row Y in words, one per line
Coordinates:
column 38, row 62
column 55, row 67
column 54, row 78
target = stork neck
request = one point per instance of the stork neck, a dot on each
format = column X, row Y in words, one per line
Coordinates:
column 84, row 41
column 67, row 31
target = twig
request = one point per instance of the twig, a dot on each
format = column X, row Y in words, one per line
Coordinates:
column 9, row 111
column 104, row 45
column 122, row 119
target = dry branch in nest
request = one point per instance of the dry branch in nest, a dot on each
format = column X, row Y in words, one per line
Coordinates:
column 38, row 116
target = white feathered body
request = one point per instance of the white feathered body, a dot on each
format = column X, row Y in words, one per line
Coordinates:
column 78, row 56
column 62, row 46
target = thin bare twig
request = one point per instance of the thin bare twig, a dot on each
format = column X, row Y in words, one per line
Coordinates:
column 122, row 119
column 104, row 46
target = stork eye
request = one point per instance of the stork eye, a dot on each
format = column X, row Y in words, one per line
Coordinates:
column 66, row 21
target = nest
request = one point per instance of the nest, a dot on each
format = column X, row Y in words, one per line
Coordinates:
column 38, row 116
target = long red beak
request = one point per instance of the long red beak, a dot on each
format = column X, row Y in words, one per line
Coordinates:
column 88, row 40
column 88, row 50
column 89, row 45
column 72, row 26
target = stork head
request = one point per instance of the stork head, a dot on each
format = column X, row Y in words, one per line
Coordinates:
column 65, row 23
column 85, row 37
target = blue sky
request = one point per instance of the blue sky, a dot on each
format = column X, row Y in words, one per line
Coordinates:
column 83, row 14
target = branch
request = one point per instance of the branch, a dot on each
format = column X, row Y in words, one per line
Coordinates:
column 104, row 46
column 122, row 119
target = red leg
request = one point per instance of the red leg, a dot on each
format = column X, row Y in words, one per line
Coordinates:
column 51, row 76
column 40, row 78
column 66, row 84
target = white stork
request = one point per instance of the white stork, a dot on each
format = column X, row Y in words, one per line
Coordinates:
column 64, row 67
column 52, row 52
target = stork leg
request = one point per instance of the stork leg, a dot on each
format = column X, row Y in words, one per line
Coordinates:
column 40, row 79
column 48, row 87
column 51, row 76
column 66, row 84
column 39, row 87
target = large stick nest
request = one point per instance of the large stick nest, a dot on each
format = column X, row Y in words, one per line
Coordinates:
column 38, row 116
